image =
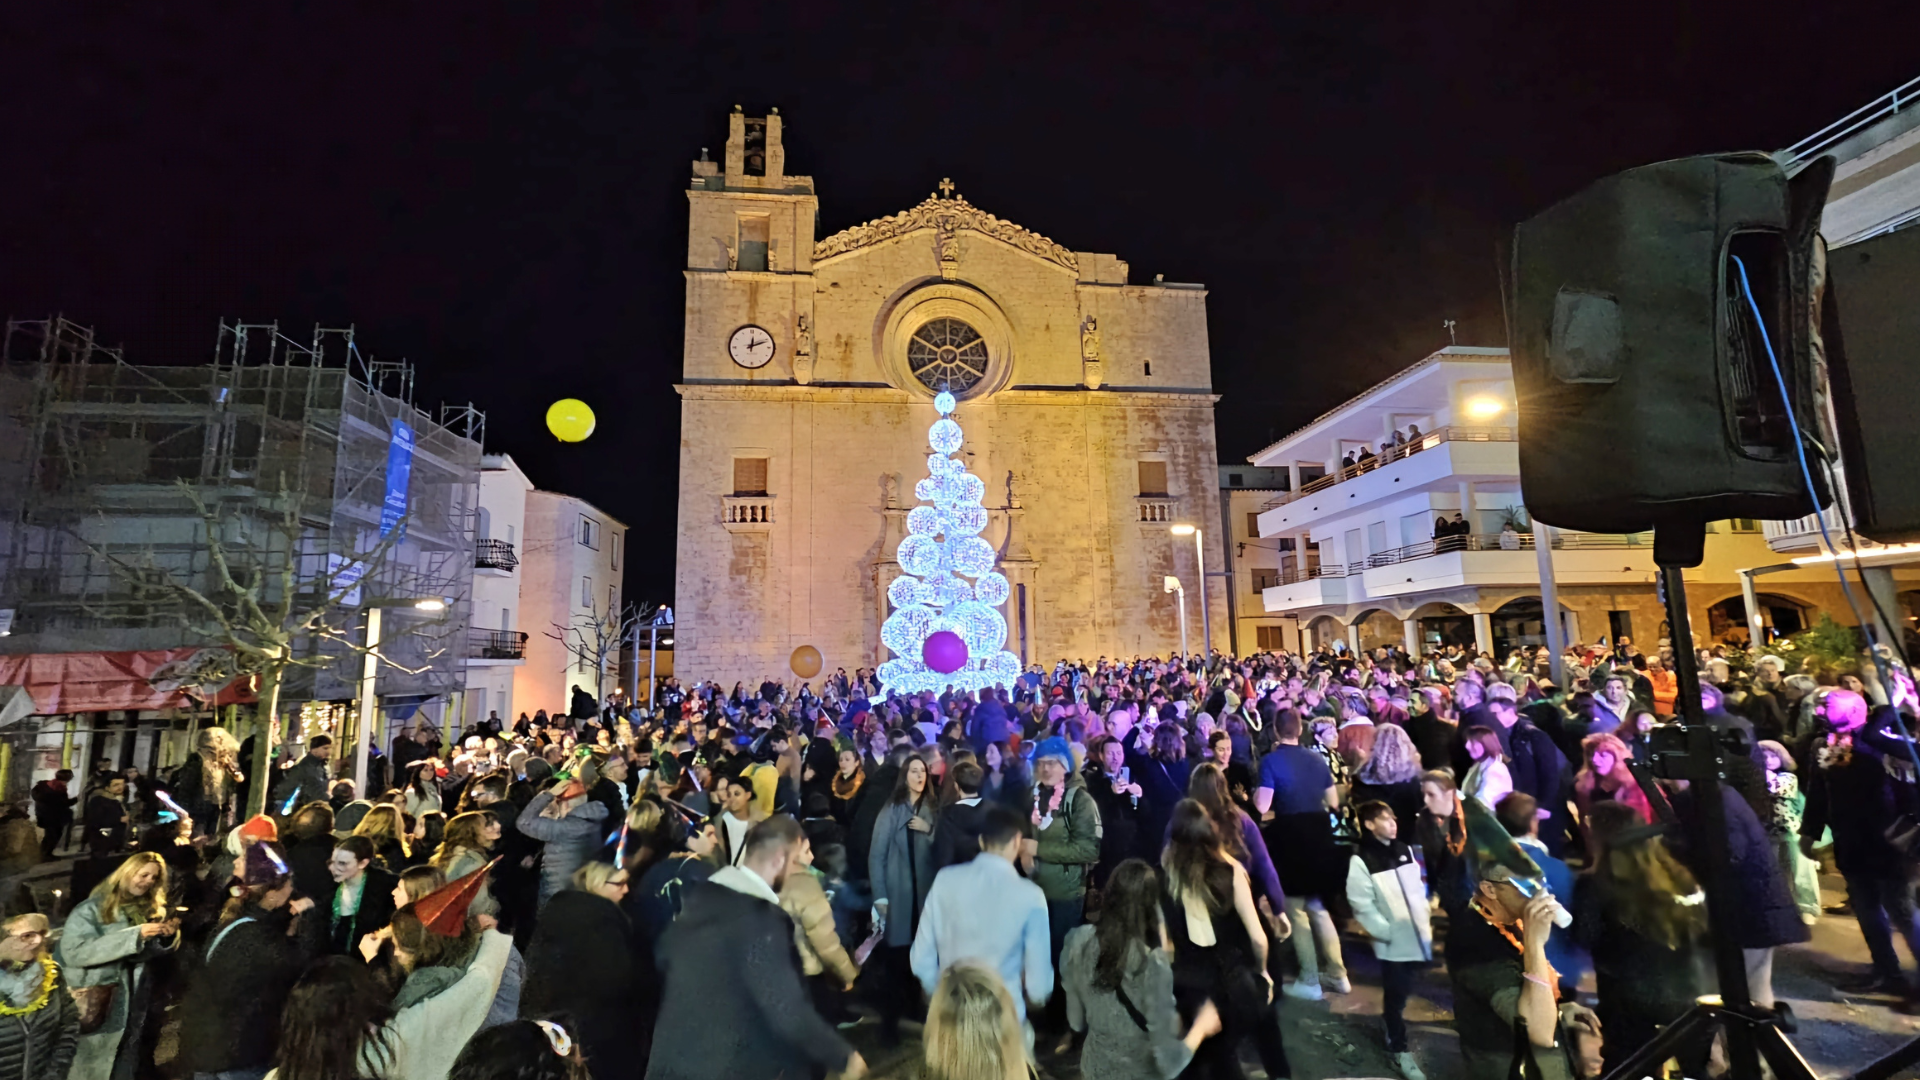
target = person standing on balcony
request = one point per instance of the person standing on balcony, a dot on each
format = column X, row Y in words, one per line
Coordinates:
column 1509, row 537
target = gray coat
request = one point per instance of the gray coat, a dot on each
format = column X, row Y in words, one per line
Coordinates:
column 92, row 953
column 900, row 865
column 571, row 841
column 1117, row 1048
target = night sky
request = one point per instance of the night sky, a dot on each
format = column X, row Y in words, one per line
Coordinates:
column 498, row 196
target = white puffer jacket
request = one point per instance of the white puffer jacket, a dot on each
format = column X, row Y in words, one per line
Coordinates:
column 1390, row 900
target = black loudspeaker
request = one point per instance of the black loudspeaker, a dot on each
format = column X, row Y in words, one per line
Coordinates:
column 1646, row 394
column 1872, row 333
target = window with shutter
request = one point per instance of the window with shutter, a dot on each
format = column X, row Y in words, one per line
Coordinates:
column 1153, row 478
column 749, row 476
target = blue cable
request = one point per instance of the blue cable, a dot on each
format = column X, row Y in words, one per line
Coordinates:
column 1819, row 518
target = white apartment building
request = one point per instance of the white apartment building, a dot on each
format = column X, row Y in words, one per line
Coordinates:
column 570, row 567
column 496, row 643
column 1364, row 565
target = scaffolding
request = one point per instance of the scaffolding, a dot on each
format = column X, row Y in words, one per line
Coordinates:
column 285, row 442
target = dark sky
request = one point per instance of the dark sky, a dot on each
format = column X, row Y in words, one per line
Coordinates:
column 498, row 195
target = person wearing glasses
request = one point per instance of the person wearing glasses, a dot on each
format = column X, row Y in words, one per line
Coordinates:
column 44, row 1021
column 582, row 965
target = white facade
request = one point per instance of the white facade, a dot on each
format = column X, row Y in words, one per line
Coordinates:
column 570, row 600
column 496, row 643
column 1370, row 571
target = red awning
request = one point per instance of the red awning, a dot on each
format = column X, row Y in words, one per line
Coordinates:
column 98, row 681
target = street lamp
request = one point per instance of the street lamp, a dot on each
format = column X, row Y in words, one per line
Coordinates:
column 369, row 669
column 1172, row 584
column 1200, row 556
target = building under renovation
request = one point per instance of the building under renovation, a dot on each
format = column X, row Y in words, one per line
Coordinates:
column 144, row 508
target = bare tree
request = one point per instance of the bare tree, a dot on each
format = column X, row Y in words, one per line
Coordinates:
column 255, row 600
column 595, row 637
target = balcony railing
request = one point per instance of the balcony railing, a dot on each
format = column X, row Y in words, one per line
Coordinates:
column 496, row 644
column 1294, row 577
column 1506, row 542
column 746, row 513
column 1158, row 508
column 494, row 555
column 1391, row 454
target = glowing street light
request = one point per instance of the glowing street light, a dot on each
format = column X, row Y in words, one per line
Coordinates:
column 1200, row 556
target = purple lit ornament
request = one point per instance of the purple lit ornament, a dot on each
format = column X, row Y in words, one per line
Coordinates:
column 944, row 652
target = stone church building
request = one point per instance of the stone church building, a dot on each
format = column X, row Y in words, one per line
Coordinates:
column 806, row 393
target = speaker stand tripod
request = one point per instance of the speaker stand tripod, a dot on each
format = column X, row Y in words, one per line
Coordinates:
column 1753, row 1034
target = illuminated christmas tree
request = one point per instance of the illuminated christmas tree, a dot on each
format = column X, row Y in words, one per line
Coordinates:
column 944, row 631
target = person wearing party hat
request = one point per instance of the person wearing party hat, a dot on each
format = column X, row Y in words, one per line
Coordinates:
column 455, row 971
column 1497, row 959
column 230, row 1021
column 1064, row 848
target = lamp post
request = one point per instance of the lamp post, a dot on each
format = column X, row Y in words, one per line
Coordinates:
column 369, row 671
column 1200, row 557
column 1172, row 584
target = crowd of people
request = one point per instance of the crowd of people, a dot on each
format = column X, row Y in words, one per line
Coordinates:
column 1136, row 862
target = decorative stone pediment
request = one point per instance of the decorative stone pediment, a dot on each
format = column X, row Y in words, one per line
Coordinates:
column 945, row 216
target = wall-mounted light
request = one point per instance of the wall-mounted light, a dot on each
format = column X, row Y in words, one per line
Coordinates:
column 1485, row 407
column 430, row 604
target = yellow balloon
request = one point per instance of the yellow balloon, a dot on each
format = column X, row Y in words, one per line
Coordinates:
column 570, row 420
column 805, row 661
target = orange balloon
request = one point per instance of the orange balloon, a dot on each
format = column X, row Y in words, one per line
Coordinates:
column 805, row 661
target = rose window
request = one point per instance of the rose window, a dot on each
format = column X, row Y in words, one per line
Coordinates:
column 947, row 354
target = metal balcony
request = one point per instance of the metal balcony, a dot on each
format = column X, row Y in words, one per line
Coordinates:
column 496, row 644
column 494, row 555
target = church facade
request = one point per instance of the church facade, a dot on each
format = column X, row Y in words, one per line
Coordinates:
column 807, row 386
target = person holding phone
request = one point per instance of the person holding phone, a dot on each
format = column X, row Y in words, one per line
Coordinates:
column 105, row 949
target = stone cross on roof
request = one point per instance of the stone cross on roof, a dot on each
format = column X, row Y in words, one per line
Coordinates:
column 946, row 187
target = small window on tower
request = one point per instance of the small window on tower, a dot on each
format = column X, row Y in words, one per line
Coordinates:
column 756, row 147
column 1153, row 478
column 1253, row 523
column 749, row 476
column 754, row 230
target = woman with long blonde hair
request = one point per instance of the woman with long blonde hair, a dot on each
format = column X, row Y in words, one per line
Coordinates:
column 388, row 830
column 973, row 1032
column 104, row 950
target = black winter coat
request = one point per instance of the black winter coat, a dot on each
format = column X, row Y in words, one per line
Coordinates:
column 231, row 1016
column 581, row 964
column 39, row 1045
column 375, row 911
column 1763, row 913
column 1858, row 798
column 734, row 1005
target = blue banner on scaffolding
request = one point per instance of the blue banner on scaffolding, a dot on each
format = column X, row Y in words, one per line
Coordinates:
column 393, row 512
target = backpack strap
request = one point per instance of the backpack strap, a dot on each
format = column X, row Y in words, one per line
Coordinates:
column 222, row 935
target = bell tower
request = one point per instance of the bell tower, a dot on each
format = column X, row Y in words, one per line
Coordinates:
column 749, row 257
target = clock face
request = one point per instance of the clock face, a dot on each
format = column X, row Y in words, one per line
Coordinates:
column 750, row 346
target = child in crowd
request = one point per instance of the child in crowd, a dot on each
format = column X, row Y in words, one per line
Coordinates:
column 1389, row 898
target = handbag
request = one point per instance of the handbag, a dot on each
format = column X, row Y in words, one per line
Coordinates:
column 94, row 1003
